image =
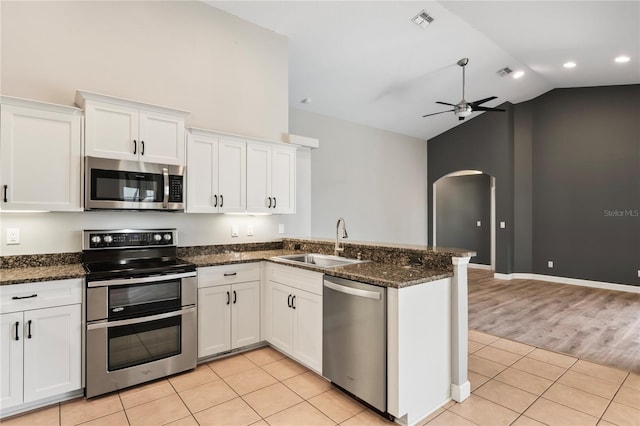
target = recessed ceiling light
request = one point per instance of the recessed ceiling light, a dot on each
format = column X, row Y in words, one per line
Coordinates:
column 306, row 101
column 422, row 19
column 569, row 64
column 518, row 74
column 622, row 59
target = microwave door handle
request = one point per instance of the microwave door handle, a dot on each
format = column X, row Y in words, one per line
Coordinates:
column 165, row 177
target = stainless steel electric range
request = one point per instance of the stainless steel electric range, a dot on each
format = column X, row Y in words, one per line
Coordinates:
column 141, row 303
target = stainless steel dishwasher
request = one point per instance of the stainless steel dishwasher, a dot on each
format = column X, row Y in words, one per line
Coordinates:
column 354, row 339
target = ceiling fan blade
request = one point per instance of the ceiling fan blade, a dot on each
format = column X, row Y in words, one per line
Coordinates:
column 436, row 113
column 445, row 103
column 487, row 109
column 481, row 101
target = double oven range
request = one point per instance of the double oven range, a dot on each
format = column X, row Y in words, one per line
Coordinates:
column 141, row 301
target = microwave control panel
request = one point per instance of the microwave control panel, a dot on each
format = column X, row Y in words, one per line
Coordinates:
column 176, row 188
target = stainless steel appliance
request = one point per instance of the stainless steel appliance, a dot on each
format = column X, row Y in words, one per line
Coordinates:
column 141, row 303
column 354, row 339
column 131, row 185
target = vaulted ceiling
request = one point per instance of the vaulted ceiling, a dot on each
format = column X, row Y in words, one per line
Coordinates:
column 367, row 62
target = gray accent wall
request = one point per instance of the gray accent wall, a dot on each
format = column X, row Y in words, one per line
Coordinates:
column 586, row 183
column 462, row 201
column 484, row 143
column 567, row 169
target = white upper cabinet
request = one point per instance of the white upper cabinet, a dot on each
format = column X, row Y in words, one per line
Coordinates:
column 216, row 173
column 40, row 156
column 271, row 176
column 128, row 130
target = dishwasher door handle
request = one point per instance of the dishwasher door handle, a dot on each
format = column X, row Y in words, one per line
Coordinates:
column 353, row 291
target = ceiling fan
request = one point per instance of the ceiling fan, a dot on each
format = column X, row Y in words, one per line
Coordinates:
column 463, row 108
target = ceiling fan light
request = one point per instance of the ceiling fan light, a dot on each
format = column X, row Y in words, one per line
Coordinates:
column 569, row 64
column 518, row 74
column 622, row 59
column 464, row 111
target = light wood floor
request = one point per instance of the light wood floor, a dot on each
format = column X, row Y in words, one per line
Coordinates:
column 601, row 326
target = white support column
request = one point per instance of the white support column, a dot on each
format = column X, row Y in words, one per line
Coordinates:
column 460, row 386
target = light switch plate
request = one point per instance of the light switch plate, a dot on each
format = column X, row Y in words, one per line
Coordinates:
column 250, row 230
column 281, row 228
column 234, row 230
column 503, row 225
column 13, row 236
column 550, row 264
column 478, row 223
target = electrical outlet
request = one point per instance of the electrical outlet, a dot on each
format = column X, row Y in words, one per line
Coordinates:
column 250, row 230
column 638, row 273
column 503, row 225
column 478, row 224
column 13, row 236
column 281, row 228
column 550, row 264
column 235, row 231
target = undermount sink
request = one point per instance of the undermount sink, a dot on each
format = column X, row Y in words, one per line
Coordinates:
column 321, row 260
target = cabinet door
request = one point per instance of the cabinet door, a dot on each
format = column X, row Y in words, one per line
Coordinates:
column 111, row 131
column 245, row 314
column 161, row 138
column 232, row 175
column 40, row 162
column 202, row 174
column 307, row 329
column 283, row 179
column 11, row 359
column 214, row 320
column 258, row 178
column 51, row 351
column 279, row 317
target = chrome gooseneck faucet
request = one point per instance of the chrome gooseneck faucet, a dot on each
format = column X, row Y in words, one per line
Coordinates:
column 339, row 249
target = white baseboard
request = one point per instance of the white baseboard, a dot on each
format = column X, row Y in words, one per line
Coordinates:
column 480, row 266
column 460, row 392
column 570, row 281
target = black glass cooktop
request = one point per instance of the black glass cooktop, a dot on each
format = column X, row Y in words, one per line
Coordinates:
column 133, row 268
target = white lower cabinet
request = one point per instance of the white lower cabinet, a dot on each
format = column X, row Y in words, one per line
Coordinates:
column 293, row 316
column 228, row 308
column 40, row 346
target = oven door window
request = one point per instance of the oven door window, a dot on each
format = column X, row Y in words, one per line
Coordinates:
column 114, row 185
column 144, row 299
column 135, row 344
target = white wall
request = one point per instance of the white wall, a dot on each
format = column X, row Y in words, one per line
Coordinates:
column 376, row 180
column 232, row 76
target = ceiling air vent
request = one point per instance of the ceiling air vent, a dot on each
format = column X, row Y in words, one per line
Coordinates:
column 504, row 71
column 422, row 19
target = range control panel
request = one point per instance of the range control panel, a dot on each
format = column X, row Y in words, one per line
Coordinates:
column 128, row 238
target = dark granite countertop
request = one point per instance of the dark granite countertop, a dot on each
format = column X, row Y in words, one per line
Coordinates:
column 386, row 265
column 377, row 273
column 33, row 274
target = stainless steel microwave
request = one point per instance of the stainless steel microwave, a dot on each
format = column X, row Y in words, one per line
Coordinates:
column 132, row 185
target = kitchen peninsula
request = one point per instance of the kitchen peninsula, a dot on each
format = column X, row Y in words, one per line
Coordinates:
column 426, row 306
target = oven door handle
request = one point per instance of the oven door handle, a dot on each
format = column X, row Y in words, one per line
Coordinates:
column 127, row 281
column 109, row 324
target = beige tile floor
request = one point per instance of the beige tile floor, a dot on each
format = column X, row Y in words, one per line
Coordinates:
column 512, row 384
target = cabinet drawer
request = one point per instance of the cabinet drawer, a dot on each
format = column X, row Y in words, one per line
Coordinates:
column 228, row 274
column 24, row 297
column 295, row 277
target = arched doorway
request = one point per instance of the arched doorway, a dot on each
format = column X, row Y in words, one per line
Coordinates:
column 464, row 214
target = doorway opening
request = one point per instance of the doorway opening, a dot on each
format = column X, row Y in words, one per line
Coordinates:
column 464, row 215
